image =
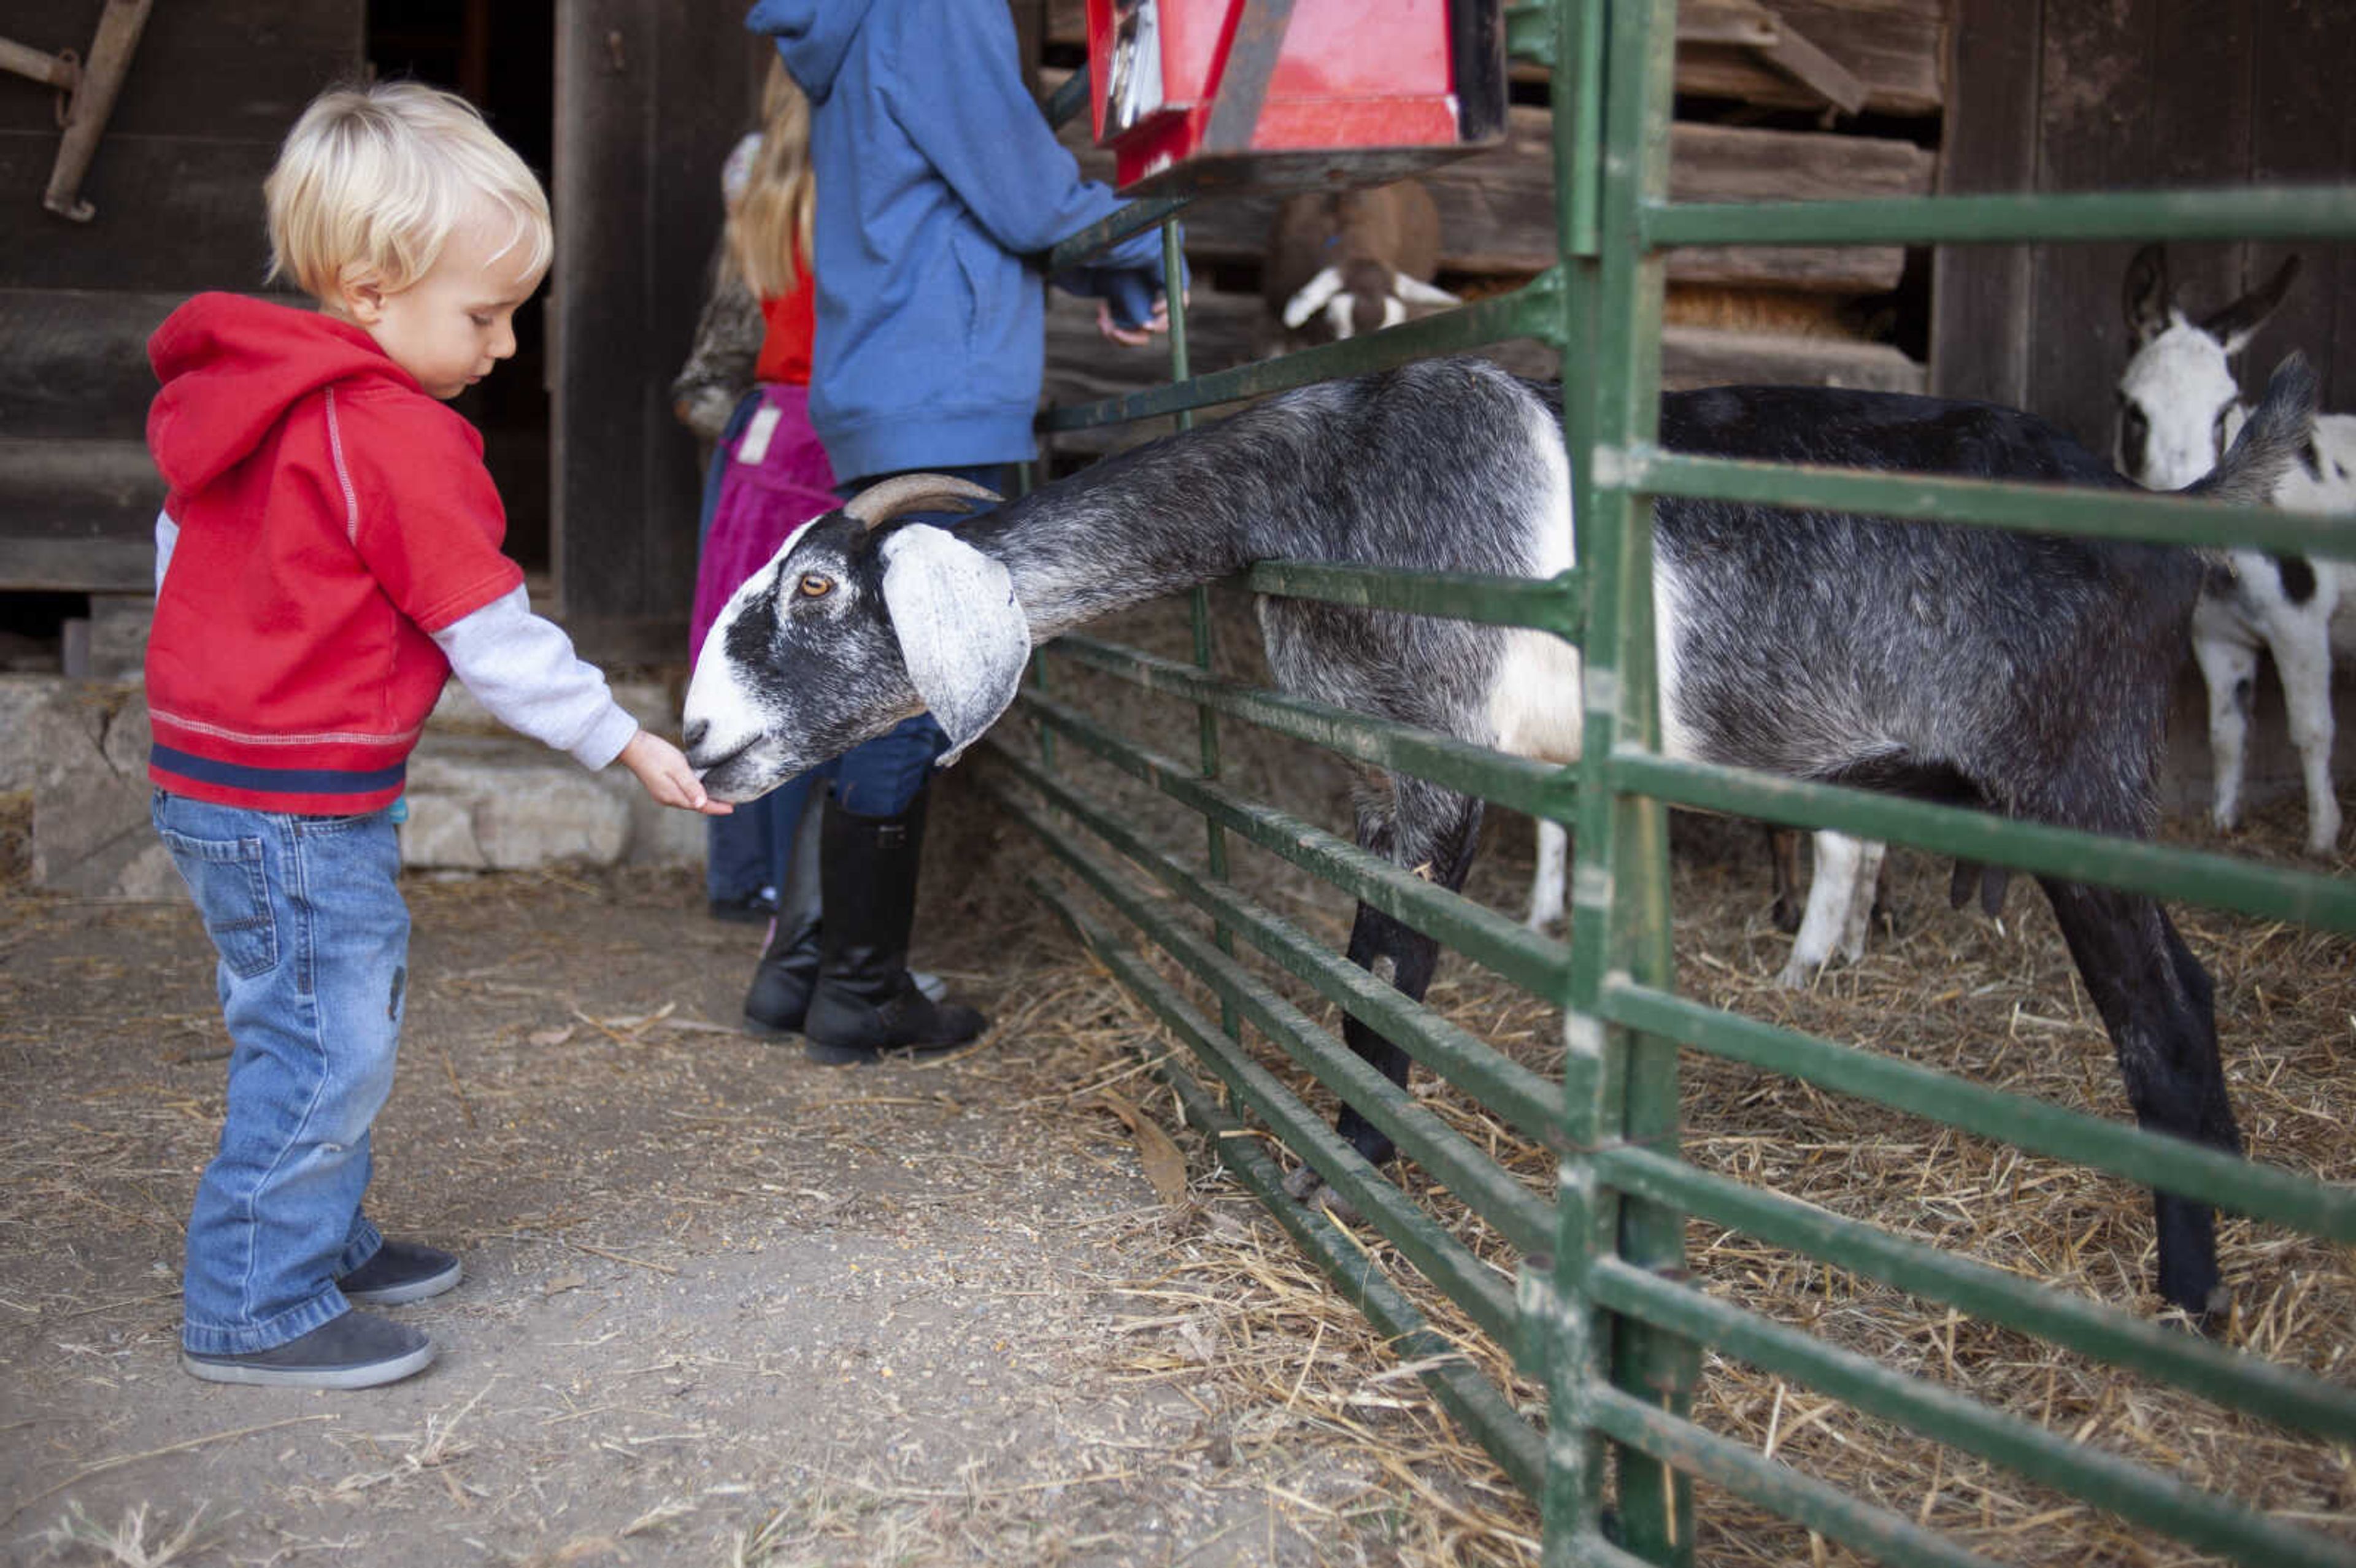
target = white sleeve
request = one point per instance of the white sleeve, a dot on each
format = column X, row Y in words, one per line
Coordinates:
column 167, row 534
column 522, row 669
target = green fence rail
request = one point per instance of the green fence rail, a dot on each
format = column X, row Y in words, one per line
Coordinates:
column 1595, row 1306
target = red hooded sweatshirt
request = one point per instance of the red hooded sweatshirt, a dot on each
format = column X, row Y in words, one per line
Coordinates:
column 331, row 514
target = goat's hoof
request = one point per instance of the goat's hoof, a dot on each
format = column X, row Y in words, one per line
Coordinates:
column 1310, row 1190
column 2209, row 1312
column 1793, row 977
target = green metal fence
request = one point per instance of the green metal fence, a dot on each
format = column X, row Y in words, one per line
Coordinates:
column 1602, row 1314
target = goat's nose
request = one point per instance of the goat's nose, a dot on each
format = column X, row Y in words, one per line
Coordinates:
column 696, row 732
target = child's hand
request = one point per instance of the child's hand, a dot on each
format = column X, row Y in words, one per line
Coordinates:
column 666, row 775
column 1137, row 337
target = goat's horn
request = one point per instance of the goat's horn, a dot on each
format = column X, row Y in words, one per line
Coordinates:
column 882, row 502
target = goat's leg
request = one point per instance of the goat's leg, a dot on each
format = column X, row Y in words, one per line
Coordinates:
column 1866, row 907
column 1783, row 856
column 1546, row 881
column 2158, row 1004
column 1433, row 831
column 2303, row 658
column 2229, row 667
column 1832, row 891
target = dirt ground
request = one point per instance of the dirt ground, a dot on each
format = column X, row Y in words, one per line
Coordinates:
column 726, row 1308
column 721, row 1305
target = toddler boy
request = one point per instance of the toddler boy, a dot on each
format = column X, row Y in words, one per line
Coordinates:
column 328, row 555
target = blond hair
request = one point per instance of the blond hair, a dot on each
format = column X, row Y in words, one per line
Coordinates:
column 373, row 180
column 770, row 224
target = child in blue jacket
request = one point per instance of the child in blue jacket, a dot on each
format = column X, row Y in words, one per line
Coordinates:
column 939, row 184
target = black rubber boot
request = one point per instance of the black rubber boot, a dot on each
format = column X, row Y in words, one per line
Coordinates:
column 864, row 1004
column 780, row 992
column 782, row 980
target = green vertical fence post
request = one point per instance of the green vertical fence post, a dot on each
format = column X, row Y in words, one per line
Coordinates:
column 1573, row 1333
column 1620, row 876
column 1199, row 601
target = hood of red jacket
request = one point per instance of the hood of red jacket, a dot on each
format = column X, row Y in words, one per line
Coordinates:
column 232, row 366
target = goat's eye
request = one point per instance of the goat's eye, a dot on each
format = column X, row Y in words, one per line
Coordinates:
column 816, row 585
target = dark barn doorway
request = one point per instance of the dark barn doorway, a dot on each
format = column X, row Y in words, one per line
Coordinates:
column 502, row 58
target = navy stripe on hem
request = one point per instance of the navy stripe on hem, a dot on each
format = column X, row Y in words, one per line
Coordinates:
column 276, row 781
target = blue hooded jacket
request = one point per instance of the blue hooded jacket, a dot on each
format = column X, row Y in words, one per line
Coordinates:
column 937, row 177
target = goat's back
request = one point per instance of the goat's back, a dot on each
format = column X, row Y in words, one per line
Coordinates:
column 2028, row 671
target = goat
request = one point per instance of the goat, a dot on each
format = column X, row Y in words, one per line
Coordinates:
column 2179, row 406
column 2026, row 674
column 1355, row 259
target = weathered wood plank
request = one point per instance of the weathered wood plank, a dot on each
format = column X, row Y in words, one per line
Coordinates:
column 2094, row 132
column 1979, row 293
column 1496, row 210
column 643, row 133
column 78, row 515
column 277, row 53
column 1799, row 56
column 73, row 362
column 172, row 214
column 1893, row 48
column 1226, row 329
column 77, row 566
column 2304, row 55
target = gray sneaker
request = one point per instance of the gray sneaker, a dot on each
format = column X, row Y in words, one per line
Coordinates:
column 355, row 1351
column 399, row 1272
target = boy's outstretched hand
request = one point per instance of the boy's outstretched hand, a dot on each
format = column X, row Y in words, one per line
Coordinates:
column 666, row 775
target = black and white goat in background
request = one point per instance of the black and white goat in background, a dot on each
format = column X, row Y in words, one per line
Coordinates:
column 2028, row 675
column 1341, row 263
column 2180, row 404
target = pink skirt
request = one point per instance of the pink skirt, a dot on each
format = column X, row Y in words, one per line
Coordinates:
column 776, row 479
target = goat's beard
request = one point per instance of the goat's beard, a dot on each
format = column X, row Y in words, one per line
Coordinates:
column 754, row 772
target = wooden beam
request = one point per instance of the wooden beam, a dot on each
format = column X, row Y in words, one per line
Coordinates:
column 1225, row 329
column 1496, row 210
column 1791, row 52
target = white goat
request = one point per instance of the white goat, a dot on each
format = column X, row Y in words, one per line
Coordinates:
column 2026, row 674
column 2180, row 405
column 1353, row 260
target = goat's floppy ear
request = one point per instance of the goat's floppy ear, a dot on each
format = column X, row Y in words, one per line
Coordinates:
column 2236, row 323
column 2144, row 295
column 1415, row 291
column 962, row 633
column 1313, row 297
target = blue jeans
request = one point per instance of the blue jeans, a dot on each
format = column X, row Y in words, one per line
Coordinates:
column 307, row 915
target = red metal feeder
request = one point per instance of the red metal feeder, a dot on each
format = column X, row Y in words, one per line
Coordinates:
column 1201, row 95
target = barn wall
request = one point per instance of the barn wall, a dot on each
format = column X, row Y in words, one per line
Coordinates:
column 177, row 183
column 649, row 98
column 2056, row 95
column 1747, row 131
column 2103, row 94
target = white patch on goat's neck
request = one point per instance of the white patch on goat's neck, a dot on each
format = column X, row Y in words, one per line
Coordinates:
column 2180, row 382
column 1535, row 708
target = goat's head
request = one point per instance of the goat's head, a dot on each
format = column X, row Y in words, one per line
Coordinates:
column 852, row 627
column 1361, row 295
column 2179, row 399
